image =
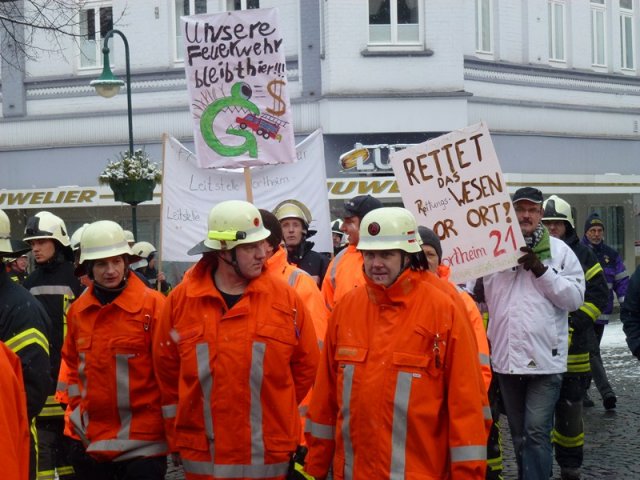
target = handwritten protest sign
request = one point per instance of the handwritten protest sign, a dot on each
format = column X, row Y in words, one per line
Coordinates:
column 189, row 192
column 453, row 184
column 236, row 75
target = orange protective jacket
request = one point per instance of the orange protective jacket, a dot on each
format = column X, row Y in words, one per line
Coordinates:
column 232, row 379
column 398, row 392
column 14, row 422
column 307, row 288
column 113, row 393
column 475, row 317
column 62, row 397
column 344, row 273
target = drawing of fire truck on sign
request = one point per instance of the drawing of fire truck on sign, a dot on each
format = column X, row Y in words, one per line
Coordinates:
column 265, row 125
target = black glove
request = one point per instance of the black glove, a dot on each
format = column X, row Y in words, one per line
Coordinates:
column 530, row 261
column 296, row 465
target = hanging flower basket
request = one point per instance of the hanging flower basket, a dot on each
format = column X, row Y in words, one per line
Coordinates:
column 132, row 178
column 132, row 192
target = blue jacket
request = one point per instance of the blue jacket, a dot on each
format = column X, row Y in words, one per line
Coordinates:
column 615, row 273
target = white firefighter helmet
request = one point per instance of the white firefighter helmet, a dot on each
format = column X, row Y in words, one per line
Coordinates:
column 8, row 246
column 103, row 239
column 143, row 249
column 389, row 228
column 128, row 234
column 293, row 209
column 555, row 208
column 232, row 223
column 77, row 235
column 46, row 225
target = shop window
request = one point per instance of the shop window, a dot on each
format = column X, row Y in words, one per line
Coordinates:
column 184, row 8
column 557, row 31
column 484, row 26
column 95, row 23
column 598, row 33
column 394, row 22
column 626, row 35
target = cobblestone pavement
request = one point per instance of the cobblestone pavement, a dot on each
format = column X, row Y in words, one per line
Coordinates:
column 612, row 439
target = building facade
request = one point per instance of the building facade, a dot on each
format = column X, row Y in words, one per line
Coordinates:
column 556, row 81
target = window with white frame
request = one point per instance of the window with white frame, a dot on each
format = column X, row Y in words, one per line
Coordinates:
column 598, row 33
column 394, row 22
column 242, row 4
column 184, row 8
column 626, row 35
column 557, row 30
column 95, row 22
column 484, row 26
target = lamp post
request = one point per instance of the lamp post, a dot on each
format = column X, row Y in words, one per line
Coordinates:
column 108, row 85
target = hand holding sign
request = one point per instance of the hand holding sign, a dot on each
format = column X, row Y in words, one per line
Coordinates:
column 453, row 184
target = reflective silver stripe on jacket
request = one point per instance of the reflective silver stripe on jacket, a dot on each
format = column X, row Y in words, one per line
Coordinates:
column 76, row 421
column 486, row 410
column 82, row 377
column 73, row 390
column 132, row 448
column 399, row 427
column 334, row 268
column 235, row 471
column 346, row 417
column 484, row 359
column 52, row 290
column 122, row 394
column 255, row 386
column 169, row 411
column 318, row 430
column 468, row 454
column 206, row 384
column 293, row 277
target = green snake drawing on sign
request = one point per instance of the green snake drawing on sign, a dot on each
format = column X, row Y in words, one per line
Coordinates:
column 240, row 95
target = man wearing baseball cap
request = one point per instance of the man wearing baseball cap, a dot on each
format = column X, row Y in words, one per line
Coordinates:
column 345, row 270
column 529, row 334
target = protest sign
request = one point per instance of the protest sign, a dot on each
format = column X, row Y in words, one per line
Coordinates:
column 236, row 75
column 453, row 184
column 189, row 192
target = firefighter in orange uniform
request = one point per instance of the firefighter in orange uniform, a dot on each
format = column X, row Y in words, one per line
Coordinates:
column 14, row 422
column 303, row 284
column 399, row 391
column 112, row 390
column 235, row 353
column 345, row 270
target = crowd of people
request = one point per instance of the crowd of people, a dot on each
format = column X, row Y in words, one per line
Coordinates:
column 269, row 360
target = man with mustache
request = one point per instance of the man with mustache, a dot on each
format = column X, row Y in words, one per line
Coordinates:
column 529, row 334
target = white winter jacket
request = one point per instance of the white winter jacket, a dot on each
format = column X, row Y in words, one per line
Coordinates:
column 528, row 328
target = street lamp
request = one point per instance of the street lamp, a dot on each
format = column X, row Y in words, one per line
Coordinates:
column 109, row 85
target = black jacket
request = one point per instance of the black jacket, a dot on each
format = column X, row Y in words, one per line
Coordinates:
column 24, row 327
column 55, row 286
column 596, row 296
column 312, row 262
column 630, row 314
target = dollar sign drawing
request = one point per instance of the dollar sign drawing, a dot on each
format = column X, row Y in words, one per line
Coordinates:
column 274, row 87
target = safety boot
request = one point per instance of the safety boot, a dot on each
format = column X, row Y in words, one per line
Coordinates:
column 570, row 473
column 609, row 400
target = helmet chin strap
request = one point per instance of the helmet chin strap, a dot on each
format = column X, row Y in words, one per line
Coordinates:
column 234, row 264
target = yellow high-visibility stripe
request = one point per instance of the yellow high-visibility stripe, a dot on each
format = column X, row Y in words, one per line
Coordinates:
column 591, row 310
column 568, row 442
column 28, row 337
column 592, row 272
